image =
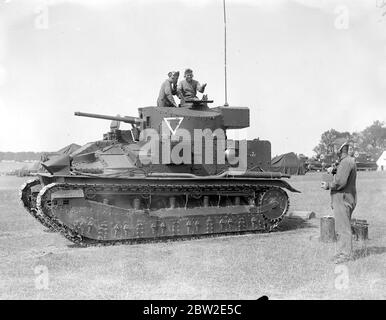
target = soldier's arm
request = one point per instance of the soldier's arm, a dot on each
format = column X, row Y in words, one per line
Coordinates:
column 341, row 176
column 179, row 91
column 201, row 88
column 169, row 95
column 174, row 89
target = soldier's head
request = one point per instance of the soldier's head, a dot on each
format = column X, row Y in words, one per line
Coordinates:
column 173, row 76
column 345, row 148
column 350, row 150
column 188, row 74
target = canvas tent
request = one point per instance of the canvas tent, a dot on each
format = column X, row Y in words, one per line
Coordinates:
column 381, row 162
column 288, row 163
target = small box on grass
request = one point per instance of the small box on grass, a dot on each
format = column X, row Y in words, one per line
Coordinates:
column 360, row 229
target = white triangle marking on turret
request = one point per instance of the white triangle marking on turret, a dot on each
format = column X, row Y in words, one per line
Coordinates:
column 168, row 123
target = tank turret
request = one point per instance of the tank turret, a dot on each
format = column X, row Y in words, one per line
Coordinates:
column 197, row 125
column 183, row 118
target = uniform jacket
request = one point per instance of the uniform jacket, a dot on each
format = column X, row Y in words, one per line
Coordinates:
column 345, row 178
column 165, row 97
column 186, row 90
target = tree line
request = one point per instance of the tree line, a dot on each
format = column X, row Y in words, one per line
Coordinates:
column 371, row 140
column 21, row 156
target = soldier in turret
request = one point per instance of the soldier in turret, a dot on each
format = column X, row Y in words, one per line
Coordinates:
column 343, row 200
column 168, row 89
column 187, row 89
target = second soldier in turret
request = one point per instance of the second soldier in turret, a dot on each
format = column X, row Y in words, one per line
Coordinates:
column 168, row 89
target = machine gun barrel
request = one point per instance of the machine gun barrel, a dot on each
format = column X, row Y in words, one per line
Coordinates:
column 127, row 119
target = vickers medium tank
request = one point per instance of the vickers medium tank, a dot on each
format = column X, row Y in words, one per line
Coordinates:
column 161, row 180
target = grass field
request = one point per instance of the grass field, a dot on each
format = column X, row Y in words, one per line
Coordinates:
column 288, row 264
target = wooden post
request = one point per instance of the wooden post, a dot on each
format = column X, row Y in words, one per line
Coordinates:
column 327, row 229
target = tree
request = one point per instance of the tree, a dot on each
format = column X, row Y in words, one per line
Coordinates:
column 374, row 138
column 371, row 140
column 326, row 144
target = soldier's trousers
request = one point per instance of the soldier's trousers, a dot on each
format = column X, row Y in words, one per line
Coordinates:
column 343, row 205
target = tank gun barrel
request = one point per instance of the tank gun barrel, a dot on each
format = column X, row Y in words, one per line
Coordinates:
column 127, row 119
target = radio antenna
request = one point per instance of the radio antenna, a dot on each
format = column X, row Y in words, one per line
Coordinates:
column 225, row 55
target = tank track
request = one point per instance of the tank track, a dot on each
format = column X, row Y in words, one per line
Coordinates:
column 44, row 208
column 28, row 199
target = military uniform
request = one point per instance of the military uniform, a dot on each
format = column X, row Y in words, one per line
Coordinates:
column 343, row 202
column 165, row 97
column 188, row 90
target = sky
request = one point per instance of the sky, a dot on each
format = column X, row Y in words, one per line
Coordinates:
column 302, row 67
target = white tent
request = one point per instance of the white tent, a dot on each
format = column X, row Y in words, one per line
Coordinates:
column 381, row 162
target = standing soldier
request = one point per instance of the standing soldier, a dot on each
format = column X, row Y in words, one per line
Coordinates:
column 168, row 89
column 343, row 200
column 187, row 89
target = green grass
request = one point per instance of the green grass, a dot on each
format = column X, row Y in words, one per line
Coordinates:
column 288, row 264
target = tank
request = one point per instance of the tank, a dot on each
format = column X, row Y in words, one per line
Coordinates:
column 173, row 175
column 365, row 162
